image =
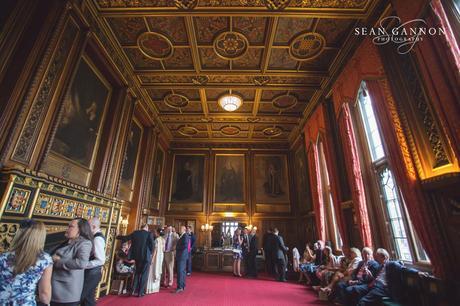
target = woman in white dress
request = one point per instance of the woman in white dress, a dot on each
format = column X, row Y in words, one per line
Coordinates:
column 154, row 278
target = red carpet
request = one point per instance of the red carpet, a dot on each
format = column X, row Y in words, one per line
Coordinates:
column 222, row 290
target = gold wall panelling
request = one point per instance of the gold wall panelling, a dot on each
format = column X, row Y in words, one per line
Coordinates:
column 30, row 194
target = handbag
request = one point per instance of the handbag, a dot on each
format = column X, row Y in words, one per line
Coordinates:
column 238, row 251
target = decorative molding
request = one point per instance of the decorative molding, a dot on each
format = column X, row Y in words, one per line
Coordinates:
column 46, row 89
column 399, row 130
column 430, row 126
column 307, row 46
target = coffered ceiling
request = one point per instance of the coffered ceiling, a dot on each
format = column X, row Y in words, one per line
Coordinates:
column 278, row 56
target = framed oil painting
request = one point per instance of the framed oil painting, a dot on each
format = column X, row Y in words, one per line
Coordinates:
column 229, row 178
column 271, row 179
column 187, row 185
column 130, row 160
column 78, row 130
column 157, row 176
column 302, row 180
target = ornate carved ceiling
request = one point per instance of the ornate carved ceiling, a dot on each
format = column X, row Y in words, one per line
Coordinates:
column 278, row 55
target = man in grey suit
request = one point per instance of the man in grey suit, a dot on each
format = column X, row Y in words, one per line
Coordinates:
column 280, row 255
column 141, row 251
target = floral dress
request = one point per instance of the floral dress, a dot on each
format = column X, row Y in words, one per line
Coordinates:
column 20, row 289
column 237, row 249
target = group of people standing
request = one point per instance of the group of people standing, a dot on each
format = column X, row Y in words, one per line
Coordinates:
column 68, row 275
column 155, row 255
column 244, row 249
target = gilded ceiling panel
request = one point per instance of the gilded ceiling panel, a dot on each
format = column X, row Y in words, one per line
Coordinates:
column 210, row 60
column 354, row 4
column 284, row 127
column 276, row 61
column 251, row 60
column 240, row 135
column 218, row 126
column 322, row 62
column 334, row 30
column 191, row 94
column 134, row 3
column 329, row 3
column 199, row 134
column 140, row 61
column 172, row 27
column 246, row 107
column 254, row 28
column 230, row 79
column 288, row 28
column 281, row 60
column 127, row 30
column 181, row 59
column 267, row 108
column 158, row 94
column 166, row 78
column 208, row 27
column 163, row 108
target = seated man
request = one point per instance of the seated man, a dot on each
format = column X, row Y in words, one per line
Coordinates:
column 387, row 282
column 347, row 291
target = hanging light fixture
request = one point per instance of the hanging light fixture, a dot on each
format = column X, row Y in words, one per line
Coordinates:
column 230, row 102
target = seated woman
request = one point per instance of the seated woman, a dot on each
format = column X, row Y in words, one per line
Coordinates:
column 307, row 259
column 345, row 275
column 320, row 260
column 25, row 266
column 325, row 272
column 124, row 265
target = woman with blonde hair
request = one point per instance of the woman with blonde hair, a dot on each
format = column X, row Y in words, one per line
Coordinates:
column 25, row 265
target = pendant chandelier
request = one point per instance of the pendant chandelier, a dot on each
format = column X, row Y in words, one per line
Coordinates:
column 230, row 102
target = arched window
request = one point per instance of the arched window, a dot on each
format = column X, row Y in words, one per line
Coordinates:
column 330, row 219
column 404, row 243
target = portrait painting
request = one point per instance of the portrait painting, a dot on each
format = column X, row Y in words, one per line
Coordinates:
column 157, row 175
column 82, row 115
column 271, row 179
column 229, row 179
column 187, row 183
column 130, row 159
column 302, row 180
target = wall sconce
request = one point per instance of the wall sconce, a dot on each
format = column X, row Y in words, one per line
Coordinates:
column 251, row 227
column 206, row 227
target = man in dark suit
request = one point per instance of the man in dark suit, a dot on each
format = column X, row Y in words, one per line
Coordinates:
column 191, row 244
column 348, row 292
column 141, row 251
column 245, row 250
column 279, row 255
column 387, row 282
column 252, row 264
column 181, row 257
column 268, row 243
